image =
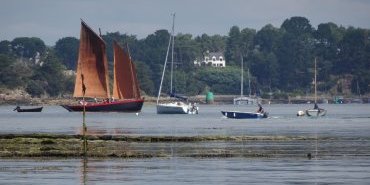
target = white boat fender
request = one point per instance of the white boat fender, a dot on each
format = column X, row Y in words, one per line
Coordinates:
column 300, row 113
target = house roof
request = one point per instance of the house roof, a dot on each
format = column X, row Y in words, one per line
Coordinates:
column 216, row 54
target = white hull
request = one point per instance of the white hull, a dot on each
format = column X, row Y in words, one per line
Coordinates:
column 245, row 101
column 176, row 108
column 316, row 112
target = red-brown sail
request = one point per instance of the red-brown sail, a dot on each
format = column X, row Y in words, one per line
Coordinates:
column 93, row 64
column 125, row 84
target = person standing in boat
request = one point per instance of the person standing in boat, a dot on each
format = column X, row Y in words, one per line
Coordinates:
column 260, row 109
column 316, row 107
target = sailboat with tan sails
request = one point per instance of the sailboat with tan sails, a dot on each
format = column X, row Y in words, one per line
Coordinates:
column 92, row 78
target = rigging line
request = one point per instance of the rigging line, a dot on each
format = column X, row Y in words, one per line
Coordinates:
column 172, row 49
column 164, row 69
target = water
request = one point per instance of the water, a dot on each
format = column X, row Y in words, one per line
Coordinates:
column 346, row 147
column 184, row 171
column 341, row 120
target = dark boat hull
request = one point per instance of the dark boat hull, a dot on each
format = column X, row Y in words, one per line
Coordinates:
column 117, row 106
column 38, row 109
column 244, row 115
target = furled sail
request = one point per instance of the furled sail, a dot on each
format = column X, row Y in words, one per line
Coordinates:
column 92, row 64
column 125, row 85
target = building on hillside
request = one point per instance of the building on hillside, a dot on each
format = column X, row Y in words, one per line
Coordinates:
column 214, row 59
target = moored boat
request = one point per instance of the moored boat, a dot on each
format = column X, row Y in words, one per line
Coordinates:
column 244, row 115
column 176, row 108
column 35, row 109
column 245, row 100
column 177, row 104
column 316, row 111
column 92, row 80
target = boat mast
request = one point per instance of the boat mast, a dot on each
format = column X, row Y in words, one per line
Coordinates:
column 315, row 83
column 173, row 43
column 249, row 84
column 241, row 77
column 164, row 68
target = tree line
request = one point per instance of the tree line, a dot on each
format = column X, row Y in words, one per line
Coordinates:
column 280, row 60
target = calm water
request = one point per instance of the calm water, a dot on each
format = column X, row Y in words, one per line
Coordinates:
column 348, row 124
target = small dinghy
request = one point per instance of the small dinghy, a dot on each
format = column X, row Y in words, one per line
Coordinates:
column 316, row 112
column 36, row 109
column 244, row 115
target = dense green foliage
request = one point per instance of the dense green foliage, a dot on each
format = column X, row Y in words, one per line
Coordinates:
column 280, row 60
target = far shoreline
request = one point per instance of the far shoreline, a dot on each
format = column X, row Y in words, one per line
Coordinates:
column 200, row 99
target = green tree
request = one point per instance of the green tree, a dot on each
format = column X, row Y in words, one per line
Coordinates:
column 28, row 47
column 51, row 73
column 295, row 53
column 247, row 40
column 220, row 81
column 154, row 48
column 67, row 50
column 143, row 74
column 213, row 43
column 233, row 43
column 35, row 88
column 5, row 47
column 13, row 73
column 268, row 38
column 327, row 37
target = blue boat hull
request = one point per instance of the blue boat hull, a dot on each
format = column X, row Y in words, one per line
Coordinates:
column 244, row 115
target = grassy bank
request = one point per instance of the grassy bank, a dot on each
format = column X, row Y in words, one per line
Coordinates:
column 49, row 145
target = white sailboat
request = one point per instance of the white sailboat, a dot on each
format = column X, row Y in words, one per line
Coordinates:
column 174, row 106
column 245, row 100
column 316, row 111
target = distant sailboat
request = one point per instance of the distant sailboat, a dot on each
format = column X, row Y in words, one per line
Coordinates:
column 35, row 109
column 245, row 100
column 260, row 113
column 316, row 111
column 178, row 106
column 92, row 80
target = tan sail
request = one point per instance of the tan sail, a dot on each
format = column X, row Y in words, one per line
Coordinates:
column 93, row 64
column 125, row 85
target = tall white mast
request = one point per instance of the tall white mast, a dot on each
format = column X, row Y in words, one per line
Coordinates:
column 165, row 63
column 249, row 84
column 315, row 83
column 241, row 77
column 173, row 43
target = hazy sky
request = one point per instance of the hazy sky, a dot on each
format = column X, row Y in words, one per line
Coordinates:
column 51, row 20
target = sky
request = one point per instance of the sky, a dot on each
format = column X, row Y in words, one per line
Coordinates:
column 51, row 20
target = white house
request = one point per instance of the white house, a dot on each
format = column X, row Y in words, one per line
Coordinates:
column 214, row 59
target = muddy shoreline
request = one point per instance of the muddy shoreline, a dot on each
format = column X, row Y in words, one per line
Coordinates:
column 119, row 146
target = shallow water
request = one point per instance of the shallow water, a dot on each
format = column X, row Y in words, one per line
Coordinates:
column 341, row 120
column 346, row 147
